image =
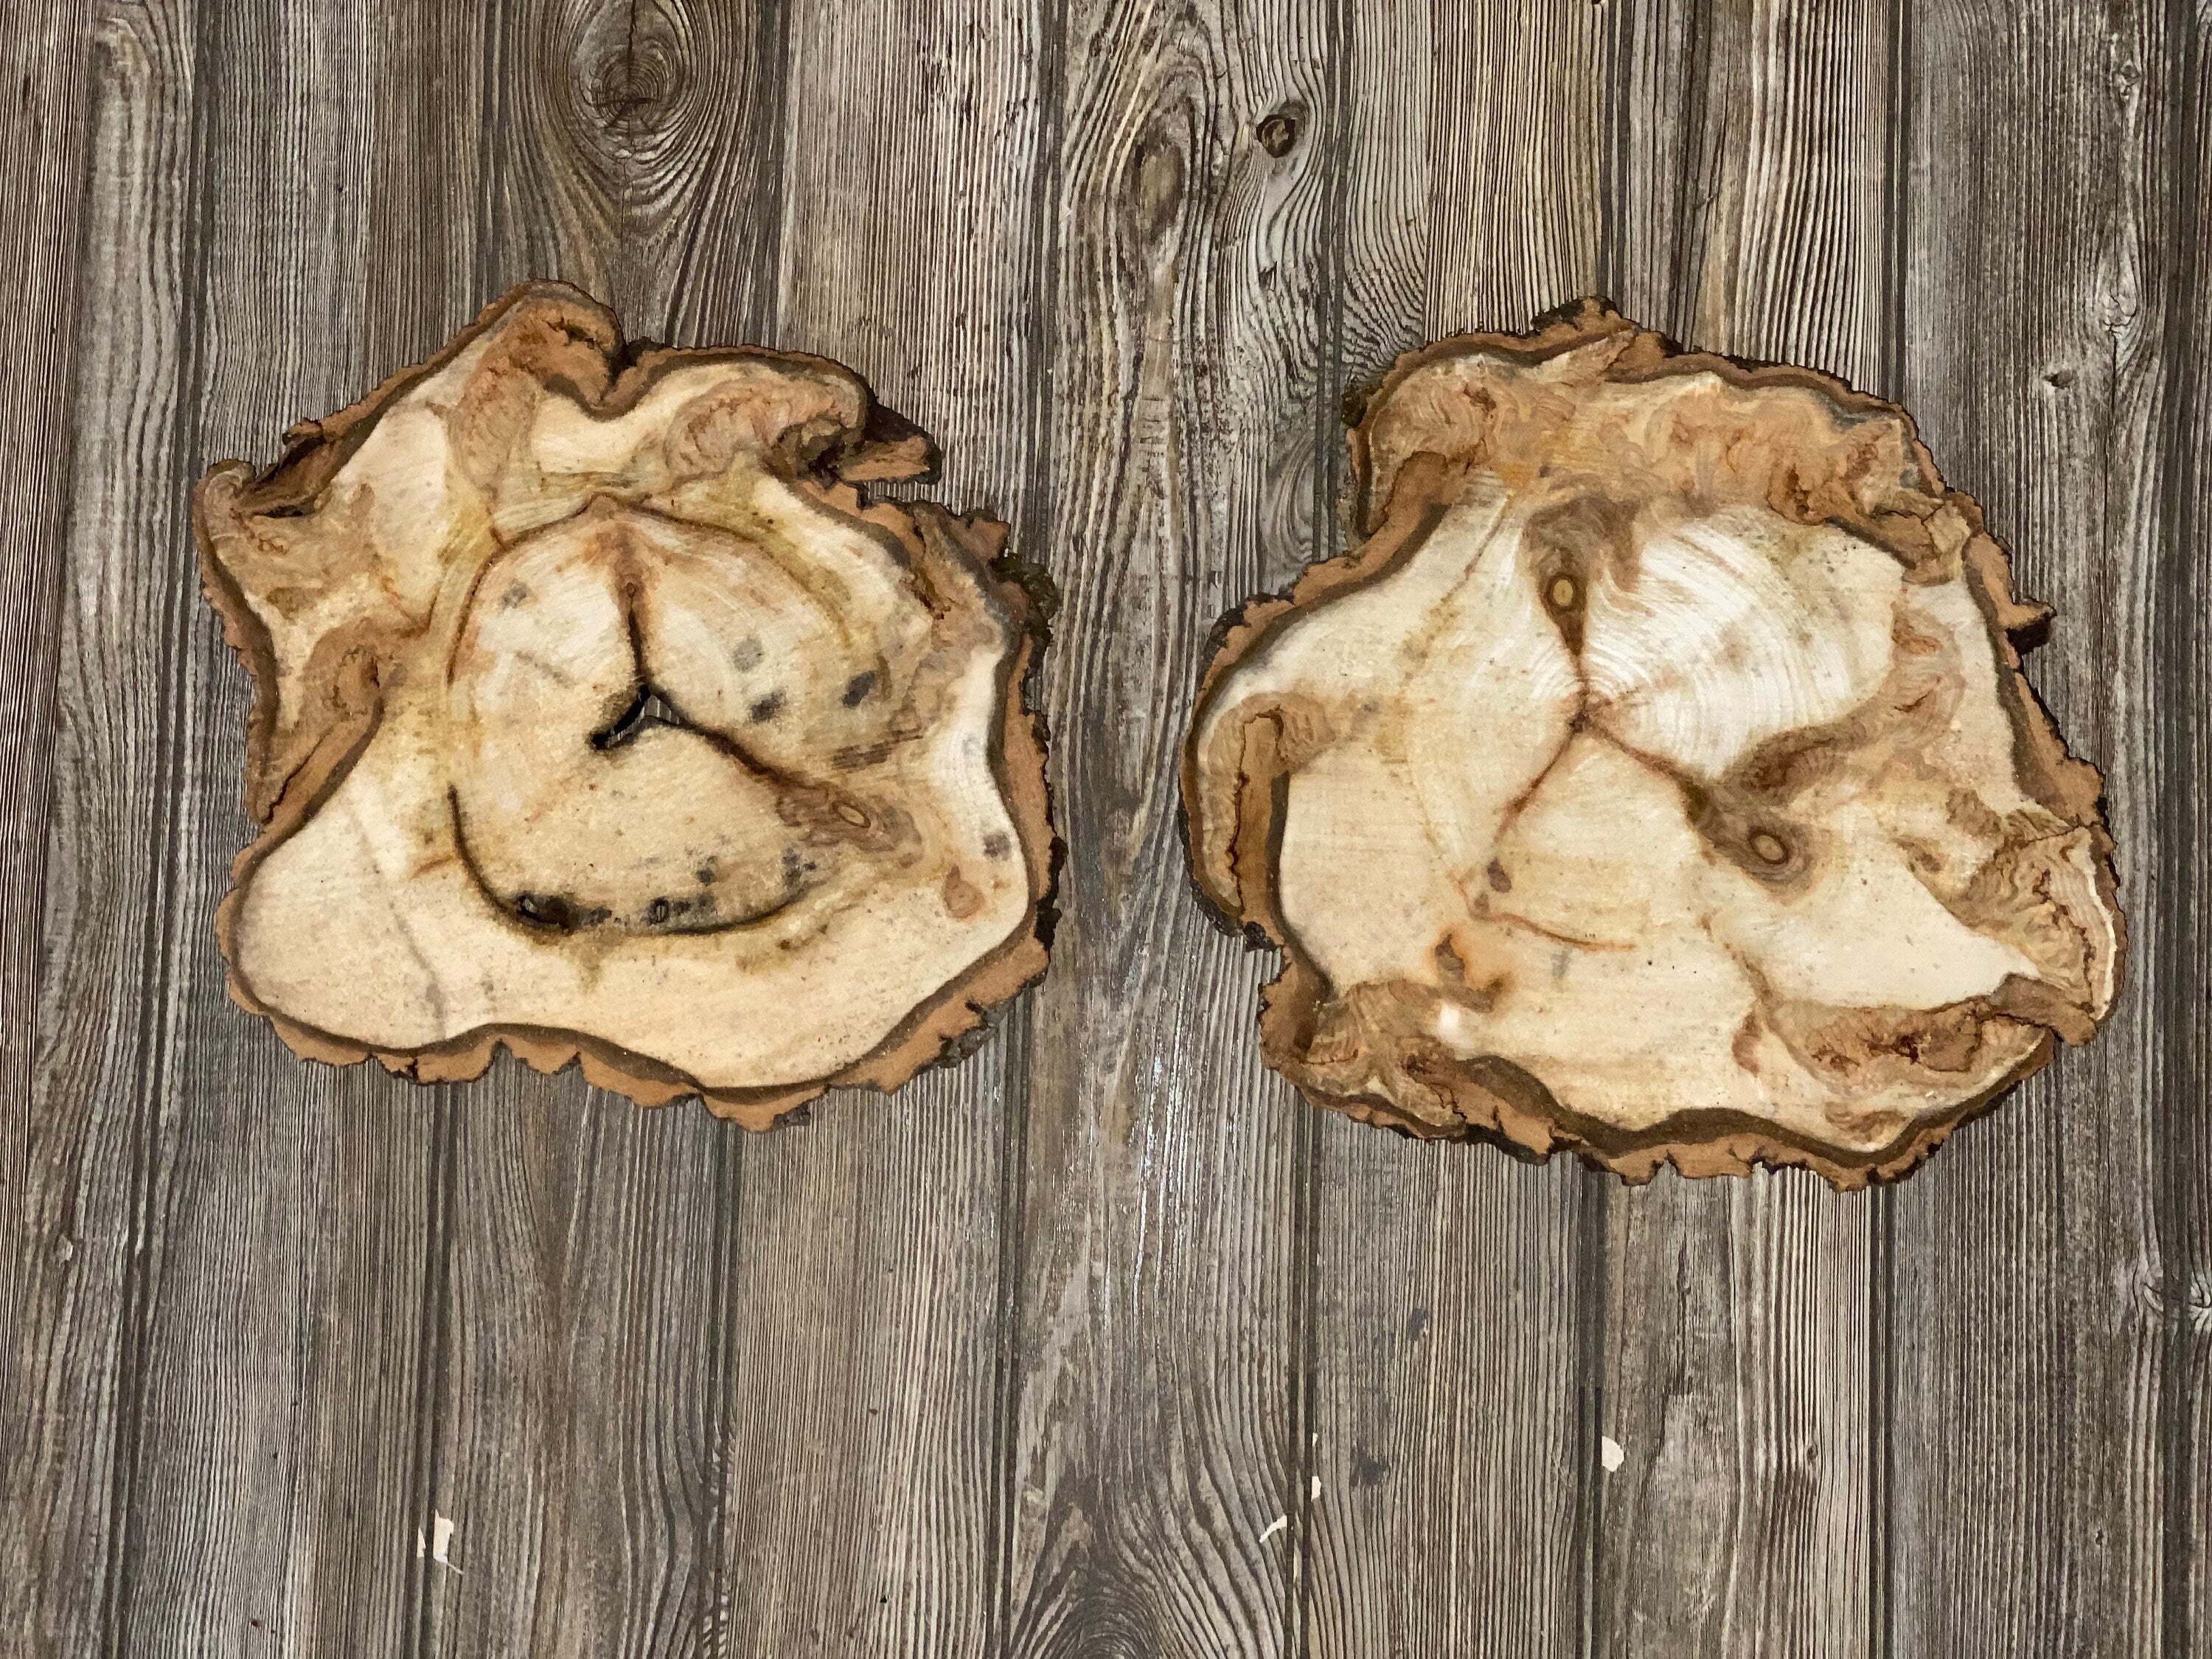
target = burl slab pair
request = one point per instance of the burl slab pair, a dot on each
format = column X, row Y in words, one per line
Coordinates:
column 1655, row 778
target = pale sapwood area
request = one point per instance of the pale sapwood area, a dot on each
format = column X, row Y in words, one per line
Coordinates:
column 1657, row 778
column 599, row 713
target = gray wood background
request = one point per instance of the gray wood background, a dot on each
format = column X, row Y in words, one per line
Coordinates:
column 1103, row 1344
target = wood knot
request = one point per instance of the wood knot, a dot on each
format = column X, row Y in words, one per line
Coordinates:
column 1156, row 187
column 633, row 92
column 1279, row 133
column 963, row 899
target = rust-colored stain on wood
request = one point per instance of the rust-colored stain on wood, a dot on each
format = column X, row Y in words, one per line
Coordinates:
column 1103, row 1341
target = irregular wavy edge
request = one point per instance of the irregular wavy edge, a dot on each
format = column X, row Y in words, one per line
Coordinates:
column 1702, row 1141
column 887, row 446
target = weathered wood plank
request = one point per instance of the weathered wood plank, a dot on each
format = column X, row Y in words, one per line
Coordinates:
column 2027, row 1376
column 1157, row 1474
column 43, row 173
column 2179, row 622
column 43, row 170
column 1755, row 184
column 862, row 1486
column 1754, row 189
column 1452, row 1435
column 425, row 179
column 97, row 1150
column 264, row 1455
column 574, row 1438
column 1533, row 181
column 1742, row 1518
column 1451, row 1422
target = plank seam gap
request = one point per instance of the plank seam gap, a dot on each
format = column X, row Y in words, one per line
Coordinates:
column 2180, row 736
column 433, row 1348
column 1037, row 517
column 729, row 1165
column 1881, row 1359
column 1329, row 376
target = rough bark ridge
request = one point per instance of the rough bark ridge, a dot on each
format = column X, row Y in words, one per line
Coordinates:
column 1656, row 779
column 598, row 713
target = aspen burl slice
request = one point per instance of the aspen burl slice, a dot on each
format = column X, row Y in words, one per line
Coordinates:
column 598, row 714
column 1655, row 778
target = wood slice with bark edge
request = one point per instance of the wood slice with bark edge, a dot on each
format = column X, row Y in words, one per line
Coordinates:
column 1591, row 474
column 370, row 580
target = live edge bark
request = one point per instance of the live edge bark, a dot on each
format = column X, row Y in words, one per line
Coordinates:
column 1656, row 779
column 598, row 714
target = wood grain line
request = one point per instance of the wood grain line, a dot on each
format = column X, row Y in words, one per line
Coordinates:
column 756, row 320
column 151, row 1172
column 1332, row 142
column 427, row 254
column 1036, row 532
column 433, row 1354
